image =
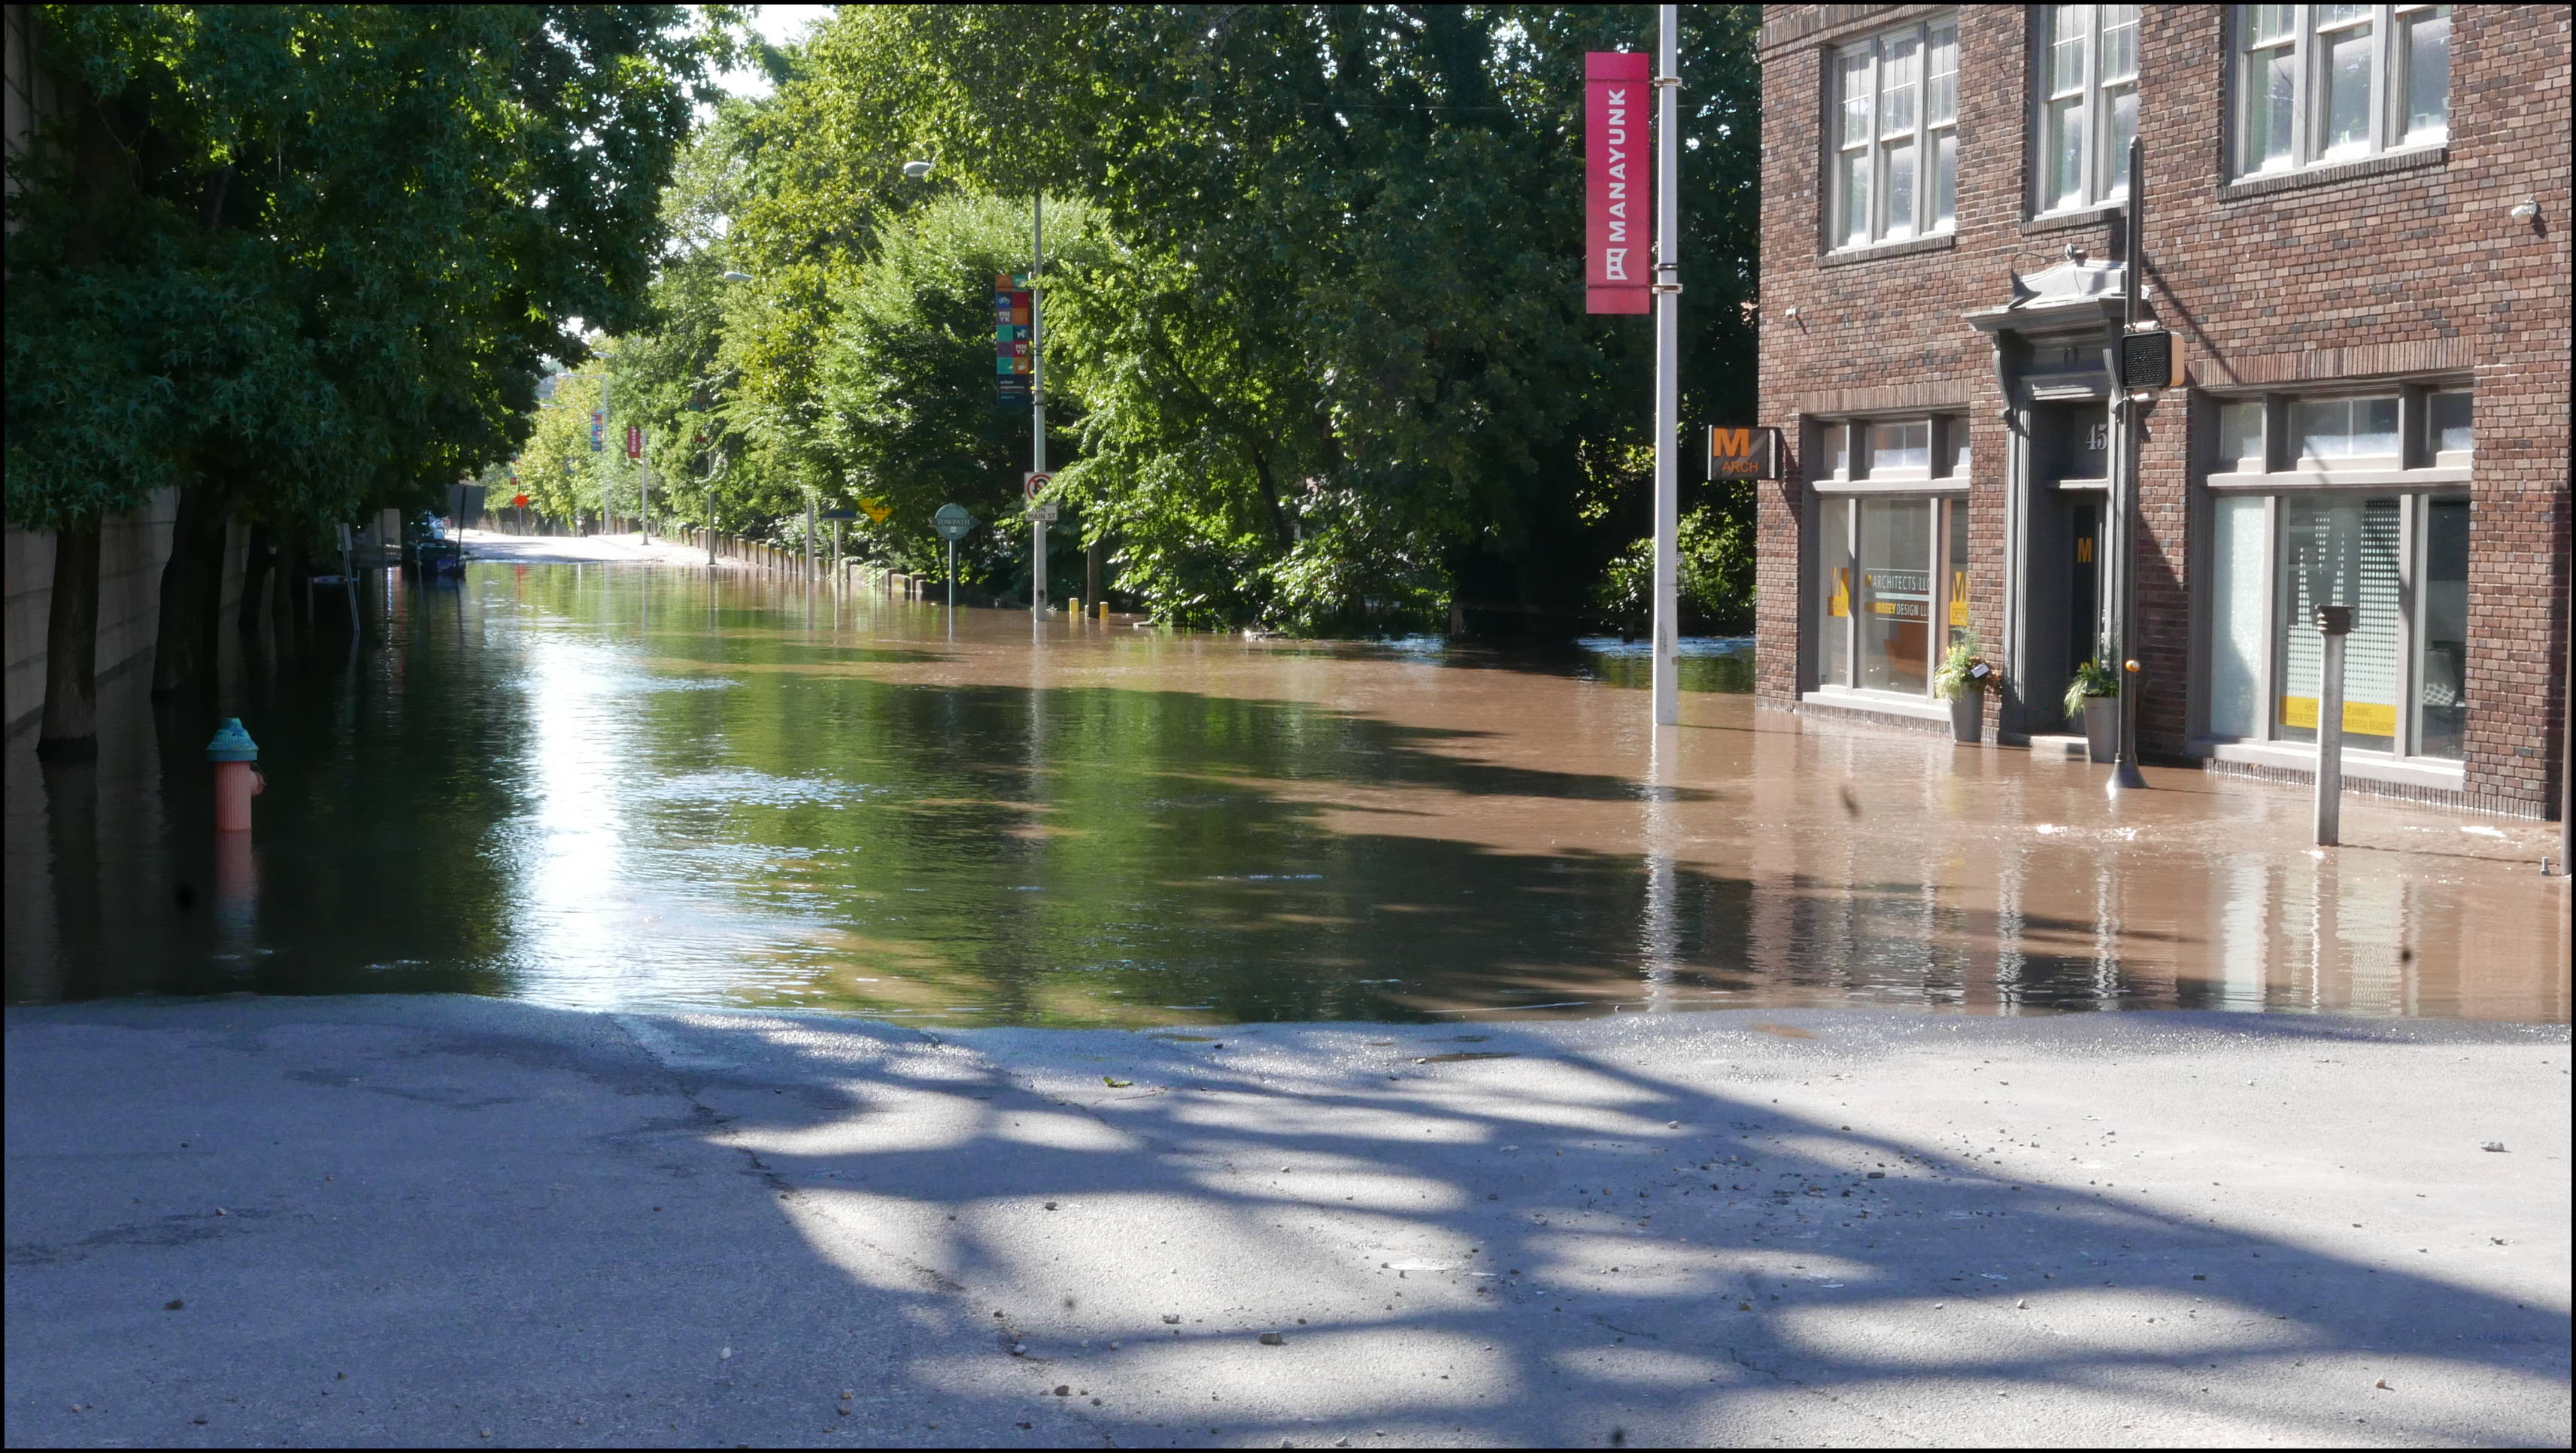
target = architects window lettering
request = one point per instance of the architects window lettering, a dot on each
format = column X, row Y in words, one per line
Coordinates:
column 2318, row 84
column 1896, row 108
column 2088, row 74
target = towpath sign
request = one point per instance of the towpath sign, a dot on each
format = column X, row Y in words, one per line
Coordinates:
column 952, row 522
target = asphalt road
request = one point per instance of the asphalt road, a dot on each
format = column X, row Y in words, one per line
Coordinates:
column 385, row 1220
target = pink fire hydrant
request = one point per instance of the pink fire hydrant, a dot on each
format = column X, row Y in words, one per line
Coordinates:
column 236, row 780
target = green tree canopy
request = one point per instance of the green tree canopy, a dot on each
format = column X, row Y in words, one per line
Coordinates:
column 313, row 257
column 1319, row 346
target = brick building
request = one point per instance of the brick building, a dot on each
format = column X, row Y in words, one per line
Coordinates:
column 2356, row 224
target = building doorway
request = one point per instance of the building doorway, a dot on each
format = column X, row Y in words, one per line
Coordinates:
column 2067, row 497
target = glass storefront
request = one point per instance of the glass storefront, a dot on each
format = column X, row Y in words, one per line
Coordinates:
column 2238, row 644
column 1895, row 595
column 2393, row 545
column 2401, row 562
column 2442, row 651
column 1834, row 582
column 1891, row 590
column 2339, row 551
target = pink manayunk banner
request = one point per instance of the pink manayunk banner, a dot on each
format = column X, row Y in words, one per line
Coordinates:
column 1618, row 218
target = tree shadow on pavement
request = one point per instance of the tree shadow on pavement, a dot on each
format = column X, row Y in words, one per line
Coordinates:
column 1503, row 1237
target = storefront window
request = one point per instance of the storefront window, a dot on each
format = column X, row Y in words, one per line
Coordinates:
column 1900, row 447
column 2345, row 428
column 1892, row 573
column 2237, row 641
column 1834, row 591
column 2443, row 651
column 2447, row 425
column 1895, row 602
column 2240, row 438
column 2349, row 500
column 2340, row 551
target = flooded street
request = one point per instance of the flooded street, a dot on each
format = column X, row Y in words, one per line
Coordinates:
column 633, row 786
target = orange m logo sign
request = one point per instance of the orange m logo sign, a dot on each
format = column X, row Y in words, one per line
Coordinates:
column 1742, row 453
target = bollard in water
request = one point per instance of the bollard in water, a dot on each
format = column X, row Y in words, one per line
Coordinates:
column 236, row 780
column 2334, row 622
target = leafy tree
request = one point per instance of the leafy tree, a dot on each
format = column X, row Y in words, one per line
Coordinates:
column 302, row 261
column 911, row 417
column 1326, row 348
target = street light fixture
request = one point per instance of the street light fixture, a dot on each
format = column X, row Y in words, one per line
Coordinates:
column 736, row 277
column 916, row 169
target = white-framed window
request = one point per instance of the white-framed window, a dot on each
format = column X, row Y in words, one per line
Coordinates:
column 2328, row 430
column 2086, row 82
column 2318, row 84
column 2448, row 436
column 2368, row 510
column 2393, row 431
column 1853, row 450
column 1895, row 163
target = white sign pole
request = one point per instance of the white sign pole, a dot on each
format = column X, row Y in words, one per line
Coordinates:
column 1667, row 367
column 1037, row 408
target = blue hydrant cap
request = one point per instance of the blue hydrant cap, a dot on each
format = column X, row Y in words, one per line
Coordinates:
column 232, row 744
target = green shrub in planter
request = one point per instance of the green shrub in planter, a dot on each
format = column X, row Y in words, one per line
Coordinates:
column 2091, row 679
column 1963, row 671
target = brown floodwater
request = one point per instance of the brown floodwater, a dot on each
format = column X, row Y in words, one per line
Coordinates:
column 639, row 786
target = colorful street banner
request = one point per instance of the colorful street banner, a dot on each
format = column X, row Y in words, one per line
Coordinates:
column 1014, row 334
column 598, row 431
column 1618, row 214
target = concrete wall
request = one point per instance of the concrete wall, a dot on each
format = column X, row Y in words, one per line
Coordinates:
column 132, row 549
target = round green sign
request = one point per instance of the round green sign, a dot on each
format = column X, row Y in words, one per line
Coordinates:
column 952, row 522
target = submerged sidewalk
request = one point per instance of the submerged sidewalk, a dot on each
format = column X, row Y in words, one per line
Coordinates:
column 449, row 1220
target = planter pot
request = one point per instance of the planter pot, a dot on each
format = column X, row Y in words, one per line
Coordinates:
column 1968, row 717
column 2102, row 727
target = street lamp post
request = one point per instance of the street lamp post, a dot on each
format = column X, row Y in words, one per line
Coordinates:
column 1667, row 292
column 1037, row 405
column 2124, row 557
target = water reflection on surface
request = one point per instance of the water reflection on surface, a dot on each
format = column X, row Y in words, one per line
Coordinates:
column 624, row 786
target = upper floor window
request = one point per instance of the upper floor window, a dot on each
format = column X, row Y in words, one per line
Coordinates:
column 2327, row 83
column 1896, row 135
column 2088, row 99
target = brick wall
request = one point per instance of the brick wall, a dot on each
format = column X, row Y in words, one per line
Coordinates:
column 2392, row 267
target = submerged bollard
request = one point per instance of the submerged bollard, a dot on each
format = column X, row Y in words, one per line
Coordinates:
column 236, row 780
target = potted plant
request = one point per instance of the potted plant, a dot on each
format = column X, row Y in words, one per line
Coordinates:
column 2095, row 693
column 1962, row 681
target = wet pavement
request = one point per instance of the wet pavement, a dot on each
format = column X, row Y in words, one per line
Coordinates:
column 440, row 1220
column 631, row 786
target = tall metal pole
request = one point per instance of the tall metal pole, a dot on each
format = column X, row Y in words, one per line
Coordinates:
column 1037, row 404
column 644, row 481
column 2124, row 553
column 1668, row 425
column 2334, row 623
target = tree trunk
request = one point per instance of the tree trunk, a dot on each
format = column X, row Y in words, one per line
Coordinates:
column 286, row 599
column 71, row 647
column 192, row 592
column 257, row 562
